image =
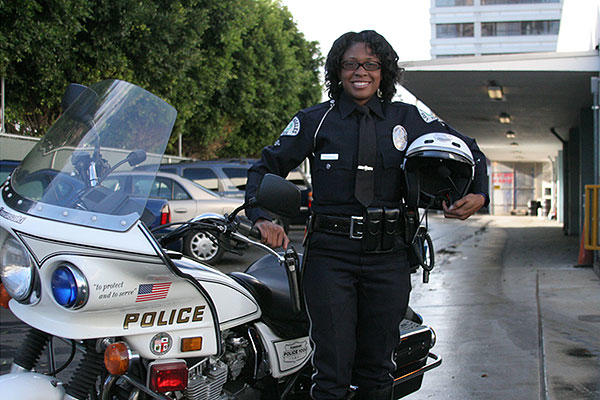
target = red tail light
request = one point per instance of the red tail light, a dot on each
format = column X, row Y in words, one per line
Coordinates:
column 165, row 215
column 310, row 199
column 168, row 376
column 4, row 296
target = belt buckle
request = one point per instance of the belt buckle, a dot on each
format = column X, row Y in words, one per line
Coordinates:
column 354, row 221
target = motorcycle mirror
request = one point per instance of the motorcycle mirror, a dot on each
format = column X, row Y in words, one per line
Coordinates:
column 136, row 157
column 279, row 196
column 80, row 100
column 71, row 93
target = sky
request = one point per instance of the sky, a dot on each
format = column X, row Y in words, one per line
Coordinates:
column 404, row 23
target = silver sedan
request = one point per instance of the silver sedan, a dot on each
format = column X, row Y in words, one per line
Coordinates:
column 186, row 200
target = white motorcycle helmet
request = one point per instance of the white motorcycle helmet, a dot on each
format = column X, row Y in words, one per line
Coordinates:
column 437, row 167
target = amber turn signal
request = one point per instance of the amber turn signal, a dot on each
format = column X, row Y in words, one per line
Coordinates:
column 116, row 358
column 191, row 344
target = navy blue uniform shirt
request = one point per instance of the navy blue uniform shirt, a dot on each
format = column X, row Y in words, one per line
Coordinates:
column 333, row 153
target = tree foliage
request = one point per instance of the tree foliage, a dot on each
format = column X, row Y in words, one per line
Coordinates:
column 235, row 70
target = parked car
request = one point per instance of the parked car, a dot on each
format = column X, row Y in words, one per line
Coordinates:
column 186, row 200
column 228, row 178
column 6, row 167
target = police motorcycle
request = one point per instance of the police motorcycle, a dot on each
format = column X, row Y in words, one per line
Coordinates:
column 143, row 322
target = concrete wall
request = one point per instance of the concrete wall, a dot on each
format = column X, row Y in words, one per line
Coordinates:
column 579, row 161
column 15, row 147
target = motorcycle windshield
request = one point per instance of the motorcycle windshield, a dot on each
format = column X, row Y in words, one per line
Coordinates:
column 112, row 126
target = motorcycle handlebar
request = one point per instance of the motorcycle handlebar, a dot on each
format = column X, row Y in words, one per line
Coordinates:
column 292, row 263
column 246, row 228
column 243, row 230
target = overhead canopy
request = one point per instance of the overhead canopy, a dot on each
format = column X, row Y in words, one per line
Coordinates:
column 542, row 91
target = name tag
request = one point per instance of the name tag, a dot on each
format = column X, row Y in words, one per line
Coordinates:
column 329, row 156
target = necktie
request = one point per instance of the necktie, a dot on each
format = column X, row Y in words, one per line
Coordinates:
column 367, row 153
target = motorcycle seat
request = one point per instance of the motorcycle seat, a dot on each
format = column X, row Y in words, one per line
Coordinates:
column 267, row 280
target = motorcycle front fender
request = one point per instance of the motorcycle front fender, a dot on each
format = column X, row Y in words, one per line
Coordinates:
column 31, row 386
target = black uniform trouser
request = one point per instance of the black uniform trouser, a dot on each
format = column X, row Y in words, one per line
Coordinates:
column 355, row 304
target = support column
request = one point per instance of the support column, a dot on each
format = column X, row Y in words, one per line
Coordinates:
column 574, row 198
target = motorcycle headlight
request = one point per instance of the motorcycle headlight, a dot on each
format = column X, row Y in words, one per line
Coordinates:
column 16, row 269
column 69, row 286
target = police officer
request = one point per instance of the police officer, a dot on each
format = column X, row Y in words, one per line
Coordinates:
column 356, row 280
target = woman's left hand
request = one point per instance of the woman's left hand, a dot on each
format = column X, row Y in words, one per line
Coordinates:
column 465, row 207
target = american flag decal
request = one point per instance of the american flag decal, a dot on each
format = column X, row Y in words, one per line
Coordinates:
column 152, row 291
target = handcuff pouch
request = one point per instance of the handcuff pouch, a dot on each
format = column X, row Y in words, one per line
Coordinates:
column 372, row 230
column 391, row 228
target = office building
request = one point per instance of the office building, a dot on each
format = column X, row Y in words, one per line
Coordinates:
column 492, row 27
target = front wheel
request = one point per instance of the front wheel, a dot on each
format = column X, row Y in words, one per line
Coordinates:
column 203, row 246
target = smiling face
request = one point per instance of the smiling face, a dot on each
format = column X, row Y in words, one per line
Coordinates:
column 360, row 84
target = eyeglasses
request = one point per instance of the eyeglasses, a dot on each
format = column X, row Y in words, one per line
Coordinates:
column 354, row 65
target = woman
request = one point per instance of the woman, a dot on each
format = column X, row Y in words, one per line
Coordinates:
column 356, row 290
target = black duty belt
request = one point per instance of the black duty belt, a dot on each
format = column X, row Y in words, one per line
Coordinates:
column 345, row 226
column 377, row 229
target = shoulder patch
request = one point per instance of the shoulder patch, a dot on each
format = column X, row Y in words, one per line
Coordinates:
column 427, row 115
column 292, row 128
column 399, row 137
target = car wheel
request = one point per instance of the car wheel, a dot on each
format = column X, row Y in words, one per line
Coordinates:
column 203, row 246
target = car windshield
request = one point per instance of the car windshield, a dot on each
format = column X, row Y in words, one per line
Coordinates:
column 196, row 189
column 112, row 126
column 237, row 176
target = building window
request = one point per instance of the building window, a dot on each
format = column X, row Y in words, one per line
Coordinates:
column 492, row 2
column 520, row 28
column 453, row 3
column 453, row 30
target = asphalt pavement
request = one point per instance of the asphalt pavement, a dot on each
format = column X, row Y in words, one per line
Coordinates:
column 514, row 317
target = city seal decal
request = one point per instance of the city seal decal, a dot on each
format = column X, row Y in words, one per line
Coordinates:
column 400, row 137
column 293, row 128
column 161, row 344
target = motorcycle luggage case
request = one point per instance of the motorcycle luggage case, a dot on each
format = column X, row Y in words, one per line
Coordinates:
column 410, row 357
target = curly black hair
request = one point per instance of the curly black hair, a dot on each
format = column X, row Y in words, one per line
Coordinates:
column 391, row 73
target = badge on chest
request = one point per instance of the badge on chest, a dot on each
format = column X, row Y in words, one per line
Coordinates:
column 399, row 137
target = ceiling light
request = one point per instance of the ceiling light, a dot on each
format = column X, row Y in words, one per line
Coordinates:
column 495, row 91
column 504, row 118
column 510, row 134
